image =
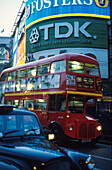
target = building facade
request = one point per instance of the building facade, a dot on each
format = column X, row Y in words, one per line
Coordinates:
column 4, row 52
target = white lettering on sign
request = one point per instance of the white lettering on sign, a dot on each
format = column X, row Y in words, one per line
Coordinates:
column 42, row 4
column 38, row 5
column 46, row 28
column 74, row 29
column 81, row 29
column 64, row 24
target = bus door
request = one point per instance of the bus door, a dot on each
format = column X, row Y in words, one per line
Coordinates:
column 75, row 114
column 40, row 108
column 57, row 108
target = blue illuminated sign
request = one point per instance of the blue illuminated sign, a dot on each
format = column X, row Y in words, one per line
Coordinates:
column 40, row 10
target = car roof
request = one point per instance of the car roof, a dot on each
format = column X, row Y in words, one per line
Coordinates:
column 9, row 109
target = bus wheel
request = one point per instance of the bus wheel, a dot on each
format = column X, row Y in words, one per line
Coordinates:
column 59, row 134
column 93, row 142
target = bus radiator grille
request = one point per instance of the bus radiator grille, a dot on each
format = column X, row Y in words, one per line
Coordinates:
column 83, row 131
column 86, row 131
column 91, row 131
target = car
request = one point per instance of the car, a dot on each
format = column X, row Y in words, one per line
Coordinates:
column 24, row 146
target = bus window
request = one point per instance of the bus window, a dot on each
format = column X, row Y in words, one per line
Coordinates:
column 92, row 69
column 17, row 86
column 11, row 86
column 43, row 69
column 29, row 104
column 52, row 103
column 31, row 72
column 18, row 103
column 40, row 104
column 11, row 76
column 20, row 74
column 59, row 66
column 75, row 103
column 30, row 83
column 22, row 85
column 75, row 66
column 61, row 103
column 10, row 102
column 4, row 77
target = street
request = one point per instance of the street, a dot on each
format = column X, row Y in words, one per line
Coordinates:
column 101, row 153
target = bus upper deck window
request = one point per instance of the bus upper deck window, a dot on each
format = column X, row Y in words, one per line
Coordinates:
column 75, row 66
column 4, row 77
column 31, row 72
column 43, row 69
column 11, row 76
column 58, row 66
column 92, row 69
column 20, row 74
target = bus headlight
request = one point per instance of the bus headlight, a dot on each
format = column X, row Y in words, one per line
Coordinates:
column 90, row 162
column 70, row 128
column 99, row 128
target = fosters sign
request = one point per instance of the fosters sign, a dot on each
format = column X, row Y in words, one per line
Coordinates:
column 39, row 10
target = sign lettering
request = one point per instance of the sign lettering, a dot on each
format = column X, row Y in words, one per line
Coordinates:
column 34, row 37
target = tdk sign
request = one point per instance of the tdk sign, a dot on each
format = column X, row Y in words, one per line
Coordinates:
column 74, row 29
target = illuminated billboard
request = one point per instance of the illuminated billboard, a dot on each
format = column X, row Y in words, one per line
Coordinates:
column 73, row 35
column 4, row 55
column 18, row 43
column 69, row 33
column 20, row 52
column 40, row 10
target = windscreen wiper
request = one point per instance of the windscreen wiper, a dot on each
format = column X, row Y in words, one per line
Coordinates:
column 5, row 134
column 37, row 132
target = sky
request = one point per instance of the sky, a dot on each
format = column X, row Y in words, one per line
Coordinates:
column 8, row 13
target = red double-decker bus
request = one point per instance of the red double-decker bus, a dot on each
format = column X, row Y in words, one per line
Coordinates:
column 57, row 90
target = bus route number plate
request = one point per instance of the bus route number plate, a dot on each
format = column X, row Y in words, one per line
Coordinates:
column 70, row 80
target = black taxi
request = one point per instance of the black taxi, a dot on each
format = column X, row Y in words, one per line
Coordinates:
column 23, row 145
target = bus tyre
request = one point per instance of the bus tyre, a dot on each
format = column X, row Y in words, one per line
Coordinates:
column 93, row 142
column 59, row 134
